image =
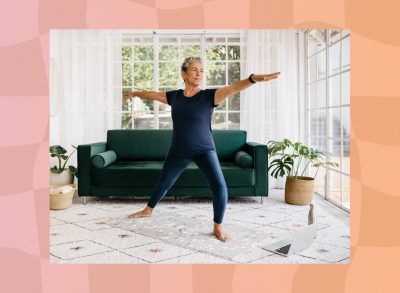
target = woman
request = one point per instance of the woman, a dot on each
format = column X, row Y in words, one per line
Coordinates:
column 192, row 138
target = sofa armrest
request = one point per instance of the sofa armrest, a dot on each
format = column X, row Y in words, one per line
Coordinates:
column 259, row 152
column 85, row 154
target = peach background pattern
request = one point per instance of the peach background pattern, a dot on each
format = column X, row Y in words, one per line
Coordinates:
column 24, row 143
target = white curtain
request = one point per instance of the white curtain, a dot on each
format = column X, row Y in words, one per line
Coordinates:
column 85, row 86
column 269, row 110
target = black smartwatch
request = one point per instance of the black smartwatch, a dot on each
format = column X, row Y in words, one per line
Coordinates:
column 250, row 79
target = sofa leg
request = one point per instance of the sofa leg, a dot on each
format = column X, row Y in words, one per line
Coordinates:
column 84, row 200
column 261, row 199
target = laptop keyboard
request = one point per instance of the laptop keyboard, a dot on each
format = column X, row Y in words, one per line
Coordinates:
column 284, row 249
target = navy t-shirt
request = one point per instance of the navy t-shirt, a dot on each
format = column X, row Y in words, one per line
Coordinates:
column 191, row 118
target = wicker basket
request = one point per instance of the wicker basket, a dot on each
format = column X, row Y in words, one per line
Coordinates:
column 300, row 190
column 63, row 200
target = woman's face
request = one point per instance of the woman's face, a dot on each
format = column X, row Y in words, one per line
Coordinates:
column 194, row 74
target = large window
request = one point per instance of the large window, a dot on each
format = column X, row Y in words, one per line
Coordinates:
column 152, row 63
column 328, row 111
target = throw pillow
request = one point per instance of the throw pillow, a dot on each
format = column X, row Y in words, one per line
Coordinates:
column 243, row 159
column 103, row 159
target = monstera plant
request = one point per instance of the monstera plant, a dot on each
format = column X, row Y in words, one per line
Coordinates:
column 59, row 174
column 287, row 158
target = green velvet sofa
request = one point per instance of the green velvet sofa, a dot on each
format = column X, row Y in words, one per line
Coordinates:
column 129, row 164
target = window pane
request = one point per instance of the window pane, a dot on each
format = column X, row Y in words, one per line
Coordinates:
column 143, row 39
column 234, row 102
column 234, row 120
column 167, row 39
column 216, row 73
column 234, row 39
column 221, row 106
column 334, row 35
column 334, row 190
column 334, row 123
column 126, row 39
column 346, row 122
column 165, row 119
column 191, row 39
column 321, row 39
column 126, row 121
column 143, row 53
column 318, row 143
column 139, row 104
column 143, row 74
column 168, row 52
column 346, row 191
column 216, row 52
column 233, row 52
column 314, row 102
column 233, row 72
column 312, row 43
column 144, row 120
column 126, row 104
column 218, row 121
column 317, row 123
column 126, row 74
column 190, row 51
column 319, row 179
column 321, row 64
column 312, row 69
column 346, row 53
column 321, row 92
column 346, row 157
column 346, row 88
column 334, row 151
column 334, row 58
column 168, row 74
column 334, row 90
column 126, row 53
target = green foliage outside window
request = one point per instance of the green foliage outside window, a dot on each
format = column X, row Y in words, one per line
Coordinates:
column 138, row 73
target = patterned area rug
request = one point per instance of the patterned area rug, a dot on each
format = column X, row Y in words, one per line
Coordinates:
column 180, row 231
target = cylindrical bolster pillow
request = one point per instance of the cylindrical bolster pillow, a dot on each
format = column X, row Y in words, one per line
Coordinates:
column 103, row 159
column 243, row 159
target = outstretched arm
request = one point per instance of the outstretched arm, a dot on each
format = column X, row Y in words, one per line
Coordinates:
column 149, row 95
column 226, row 91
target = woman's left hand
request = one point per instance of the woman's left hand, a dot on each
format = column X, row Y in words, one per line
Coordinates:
column 265, row 77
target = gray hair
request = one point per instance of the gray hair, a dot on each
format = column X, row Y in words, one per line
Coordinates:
column 188, row 60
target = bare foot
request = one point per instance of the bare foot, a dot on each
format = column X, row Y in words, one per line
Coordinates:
column 140, row 214
column 221, row 235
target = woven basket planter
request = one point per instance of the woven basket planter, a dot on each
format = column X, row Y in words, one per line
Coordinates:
column 299, row 190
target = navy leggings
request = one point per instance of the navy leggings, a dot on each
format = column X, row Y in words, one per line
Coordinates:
column 208, row 163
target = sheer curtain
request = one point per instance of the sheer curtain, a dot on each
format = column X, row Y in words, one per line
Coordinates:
column 269, row 110
column 85, row 86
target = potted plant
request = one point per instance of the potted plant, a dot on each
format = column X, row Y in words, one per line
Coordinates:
column 299, row 189
column 60, row 175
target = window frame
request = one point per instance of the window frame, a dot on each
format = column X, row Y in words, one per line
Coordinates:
column 154, row 39
column 328, row 107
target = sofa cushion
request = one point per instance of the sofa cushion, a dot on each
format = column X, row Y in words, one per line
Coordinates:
column 104, row 159
column 153, row 144
column 140, row 144
column 228, row 142
column 243, row 159
column 147, row 173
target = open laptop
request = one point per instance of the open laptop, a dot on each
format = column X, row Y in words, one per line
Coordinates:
column 303, row 238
